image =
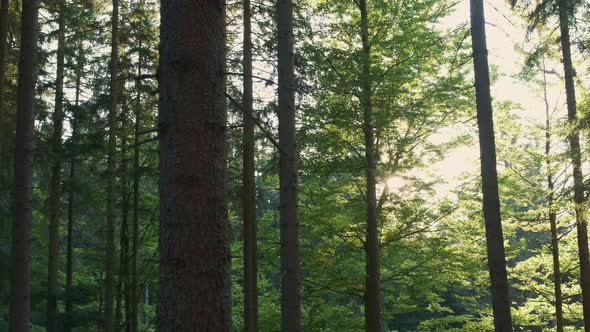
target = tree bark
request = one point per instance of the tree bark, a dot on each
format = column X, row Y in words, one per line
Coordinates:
column 110, row 190
column 249, row 184
column 124, row 264
column 71, row 199
column 55, row 182
column 195, row 283
column 576, row 158
column 136, row 178
column 123, row 291
column 20, row 275
column 290, row 270
column 372, row 298
column 552, row 214
column 489, row 175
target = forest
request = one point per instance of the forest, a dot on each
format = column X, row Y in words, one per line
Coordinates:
column 294, row 165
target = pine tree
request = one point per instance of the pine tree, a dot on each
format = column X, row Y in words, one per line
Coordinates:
column 55, row 183
column 489, row 174
column 290, row 270
column 194, row 240
column 110, row 186
column 20, row 277
column 249, row 183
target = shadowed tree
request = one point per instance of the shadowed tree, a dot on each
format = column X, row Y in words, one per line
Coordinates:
column 195, row 284
column 20, row 275
column 109, row 310
column 249, row 183
column 55, row 183
column 290, row 270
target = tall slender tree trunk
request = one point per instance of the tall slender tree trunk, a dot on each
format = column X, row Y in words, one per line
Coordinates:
column 3, row 51
column 112, row 142
column 372, row 303
column 71, row 197
column 124, row 264
column 249, row 184
column 551, row 213
column 20, row 274
column 575, row 154
column 489, row 174
column 136, row 178
column 195, row 283
column 119, row 297
column 55, row 182
column 123, row 289
column 290, row 270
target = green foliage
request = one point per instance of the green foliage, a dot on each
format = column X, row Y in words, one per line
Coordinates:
column 434, row 274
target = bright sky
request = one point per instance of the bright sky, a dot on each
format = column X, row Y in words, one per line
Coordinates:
column 504, row 32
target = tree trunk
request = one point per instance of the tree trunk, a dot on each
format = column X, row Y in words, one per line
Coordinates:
column 249, row 184
column 70, row 244
column 55, row 182
column 489, row 175
column 372, row 303
column 124, row 264
column 195, row 283
column 551, row 212
column 136, row 178
column 123, row 291
column 110, row 225
column 575, row 154
column 290, row 279
column 20, row 275
column 3, row 51
column 146, row 302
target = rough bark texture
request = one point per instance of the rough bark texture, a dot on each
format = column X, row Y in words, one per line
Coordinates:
column 576, row 158
column 71, row 203
column 20, row 275
column 372, row 303
column 195, row 284
column 290, row 275
column 110, row 190
column 552, row 213
column 489, row 175
column 249, row 185
column 55, row 182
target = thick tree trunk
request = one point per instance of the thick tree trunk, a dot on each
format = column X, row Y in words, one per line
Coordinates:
column 55, row 183
column 372, row 301
column 20, row 273
column 576, row 158
column 290, row 275
column 489, row 175
column 71, row 196
column 110, row 190
column 249, row 184
column 195, row 283
column 3, row 51
column 552, row 213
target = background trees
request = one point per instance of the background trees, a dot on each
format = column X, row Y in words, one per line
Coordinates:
column 427, row 230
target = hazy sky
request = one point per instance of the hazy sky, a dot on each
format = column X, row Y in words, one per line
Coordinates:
column 504, row 32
